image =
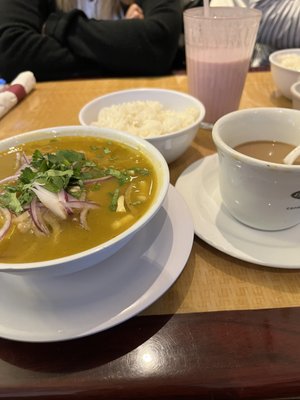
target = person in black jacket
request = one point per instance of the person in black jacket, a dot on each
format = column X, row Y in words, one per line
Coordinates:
column 54, row 44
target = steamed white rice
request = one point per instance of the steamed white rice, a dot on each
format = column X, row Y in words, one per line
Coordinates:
column 145, row 118
column 291, row 61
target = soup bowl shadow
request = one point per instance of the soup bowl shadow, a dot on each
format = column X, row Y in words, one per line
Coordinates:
column 92, row 256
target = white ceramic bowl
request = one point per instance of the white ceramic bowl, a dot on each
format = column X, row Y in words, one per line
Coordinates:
column 295, row 91
column 79, row 261
column 284, row 77
column 171, row 145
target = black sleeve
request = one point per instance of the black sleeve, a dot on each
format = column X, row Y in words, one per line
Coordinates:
column 73, row 43
column 145, row 46
column 23, row 47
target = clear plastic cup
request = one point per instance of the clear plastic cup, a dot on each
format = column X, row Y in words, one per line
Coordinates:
column 219, row 44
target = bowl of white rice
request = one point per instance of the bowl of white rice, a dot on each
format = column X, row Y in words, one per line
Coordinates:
column 168, row 119
column 285, row 69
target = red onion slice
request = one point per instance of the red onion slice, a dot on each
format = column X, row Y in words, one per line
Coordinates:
column 7, row 223
column 81, row 204
column 97, row 180
column 26, row 159
column 36, row 217
column 9, row 178
column 82, row 217
column 50, row 200
column 63, row 198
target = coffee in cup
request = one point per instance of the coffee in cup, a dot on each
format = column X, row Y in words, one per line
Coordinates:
column 267, row 150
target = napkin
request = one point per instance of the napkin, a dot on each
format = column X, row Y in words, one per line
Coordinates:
column 23, row 84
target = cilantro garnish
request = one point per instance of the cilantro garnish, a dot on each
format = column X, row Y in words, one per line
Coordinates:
column 10, row 200
column 114, row 200
column 66, row 170
column 122, row 176
column 139, row 171
column 106, row 150
column 63, row 170
column 94, row 148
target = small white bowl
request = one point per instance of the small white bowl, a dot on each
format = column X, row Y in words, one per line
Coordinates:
column 171, row 145
column 284, row 77
column 73, row 263
column 295, row 90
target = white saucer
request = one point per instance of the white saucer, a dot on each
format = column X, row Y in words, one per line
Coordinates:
column 199, row 186
column 100, row 297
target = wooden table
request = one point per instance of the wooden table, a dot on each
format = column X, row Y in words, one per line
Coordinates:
column 226, row 329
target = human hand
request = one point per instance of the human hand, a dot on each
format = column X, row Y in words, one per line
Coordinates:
column 134, row 12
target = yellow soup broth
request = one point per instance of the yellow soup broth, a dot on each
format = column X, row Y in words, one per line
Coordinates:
column 68, row 236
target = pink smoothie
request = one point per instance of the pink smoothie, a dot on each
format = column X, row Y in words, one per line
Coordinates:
column 217, row 84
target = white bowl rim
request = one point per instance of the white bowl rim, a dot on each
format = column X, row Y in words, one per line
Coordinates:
column 272, row 58
column 251, row 160
column 200, row 107
column 142, row 144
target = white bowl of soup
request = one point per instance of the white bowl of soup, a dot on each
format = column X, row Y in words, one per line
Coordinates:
column 285, row 69
column 72, row 196
column 168, row 119
column 257, row 186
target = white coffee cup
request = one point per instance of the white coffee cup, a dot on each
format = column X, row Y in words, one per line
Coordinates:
column 258, row 193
